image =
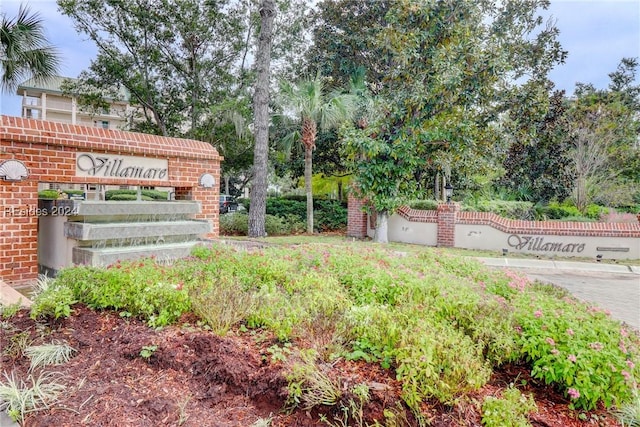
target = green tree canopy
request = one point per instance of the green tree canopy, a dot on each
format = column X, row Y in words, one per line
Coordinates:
column 454, row 65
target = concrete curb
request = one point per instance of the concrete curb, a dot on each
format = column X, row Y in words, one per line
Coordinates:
column 558, row 265
column 9, row 296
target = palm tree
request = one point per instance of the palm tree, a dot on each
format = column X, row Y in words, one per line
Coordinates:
column 313, row 105
column 24, row 50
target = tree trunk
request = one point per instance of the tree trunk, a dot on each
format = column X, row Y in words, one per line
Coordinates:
column 258, row 206
column 308, row 174
column 382, row 227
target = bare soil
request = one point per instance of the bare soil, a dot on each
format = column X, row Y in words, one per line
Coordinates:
column 195, row 378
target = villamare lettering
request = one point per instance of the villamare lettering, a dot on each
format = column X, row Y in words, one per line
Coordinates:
column 533, row 243
column 109, row 167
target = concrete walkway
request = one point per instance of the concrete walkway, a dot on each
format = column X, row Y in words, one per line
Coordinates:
column 559, row 265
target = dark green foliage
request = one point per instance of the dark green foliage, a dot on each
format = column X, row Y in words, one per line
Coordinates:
column 507, row 209
column 237, row 224
column 330, row 215
column 424, row 205
column 127, row 195
column 283, row 207
column 539, row 160
column 555, row 210
column 48, row 194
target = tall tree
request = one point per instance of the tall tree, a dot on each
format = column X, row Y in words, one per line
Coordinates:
column 313, row 105
column 25, row 51
column 257, row 209
column 175, row 57
column 604, row 131
column 453, row 64
column 537, row 164
column 345, row 41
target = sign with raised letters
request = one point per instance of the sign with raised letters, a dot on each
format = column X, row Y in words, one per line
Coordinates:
column 538, row 244
column 116, row 166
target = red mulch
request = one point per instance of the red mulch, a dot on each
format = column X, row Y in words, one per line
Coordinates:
column 196, row 378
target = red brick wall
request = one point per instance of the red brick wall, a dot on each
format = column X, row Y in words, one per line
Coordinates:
column 48, row 151
column 356, row 218
column 447, row 217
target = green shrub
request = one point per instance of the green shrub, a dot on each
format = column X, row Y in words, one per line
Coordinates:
column 48, row 194
column 555, row 210
column 424, row 205
column 278, row 226
column 234, row 224
column 577, row 347
column 237, row 224
column 506, row 209
column 595, row 212
column 284, row 207
column 53, row 302
column 128, row 197
column 509, row 411
column 139, row 288
column 329, row 215
column 123, row 195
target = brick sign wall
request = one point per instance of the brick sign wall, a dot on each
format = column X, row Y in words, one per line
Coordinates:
column 49, row 151
column 449, row 227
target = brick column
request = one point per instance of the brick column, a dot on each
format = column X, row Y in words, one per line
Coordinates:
column 447, row 218
column 356, row 218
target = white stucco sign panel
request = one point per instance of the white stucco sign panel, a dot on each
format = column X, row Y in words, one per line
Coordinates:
column 93, row 165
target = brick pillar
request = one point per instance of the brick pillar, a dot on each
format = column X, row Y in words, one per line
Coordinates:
column 356, row 218
column 447, row 217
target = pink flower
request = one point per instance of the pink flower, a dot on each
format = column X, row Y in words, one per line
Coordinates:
column 630, row 364
column 572, row 358
column 597, row 346
column 573, row 393
column 551, row 342
column 538, row 313
column 570, row 332
column 624, row 332
column 626, row 375
column 555, row 351
column 622, row 346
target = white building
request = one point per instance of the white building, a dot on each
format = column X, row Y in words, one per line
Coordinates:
column 48, row 102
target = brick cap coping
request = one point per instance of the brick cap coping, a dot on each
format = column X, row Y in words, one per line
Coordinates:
column 511, row 226
column 91, row 138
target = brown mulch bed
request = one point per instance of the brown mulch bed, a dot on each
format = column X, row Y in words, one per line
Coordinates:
column 195, row 378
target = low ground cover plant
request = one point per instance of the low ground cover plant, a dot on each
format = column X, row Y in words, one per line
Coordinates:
column 440, row 323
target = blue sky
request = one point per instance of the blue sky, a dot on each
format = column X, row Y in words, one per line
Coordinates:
column 597, row 34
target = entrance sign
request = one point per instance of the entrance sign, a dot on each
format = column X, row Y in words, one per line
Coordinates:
column 115, row 166
column 537, row 243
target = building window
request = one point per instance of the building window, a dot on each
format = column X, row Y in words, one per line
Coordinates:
column 104, row 124
column 32, row 114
